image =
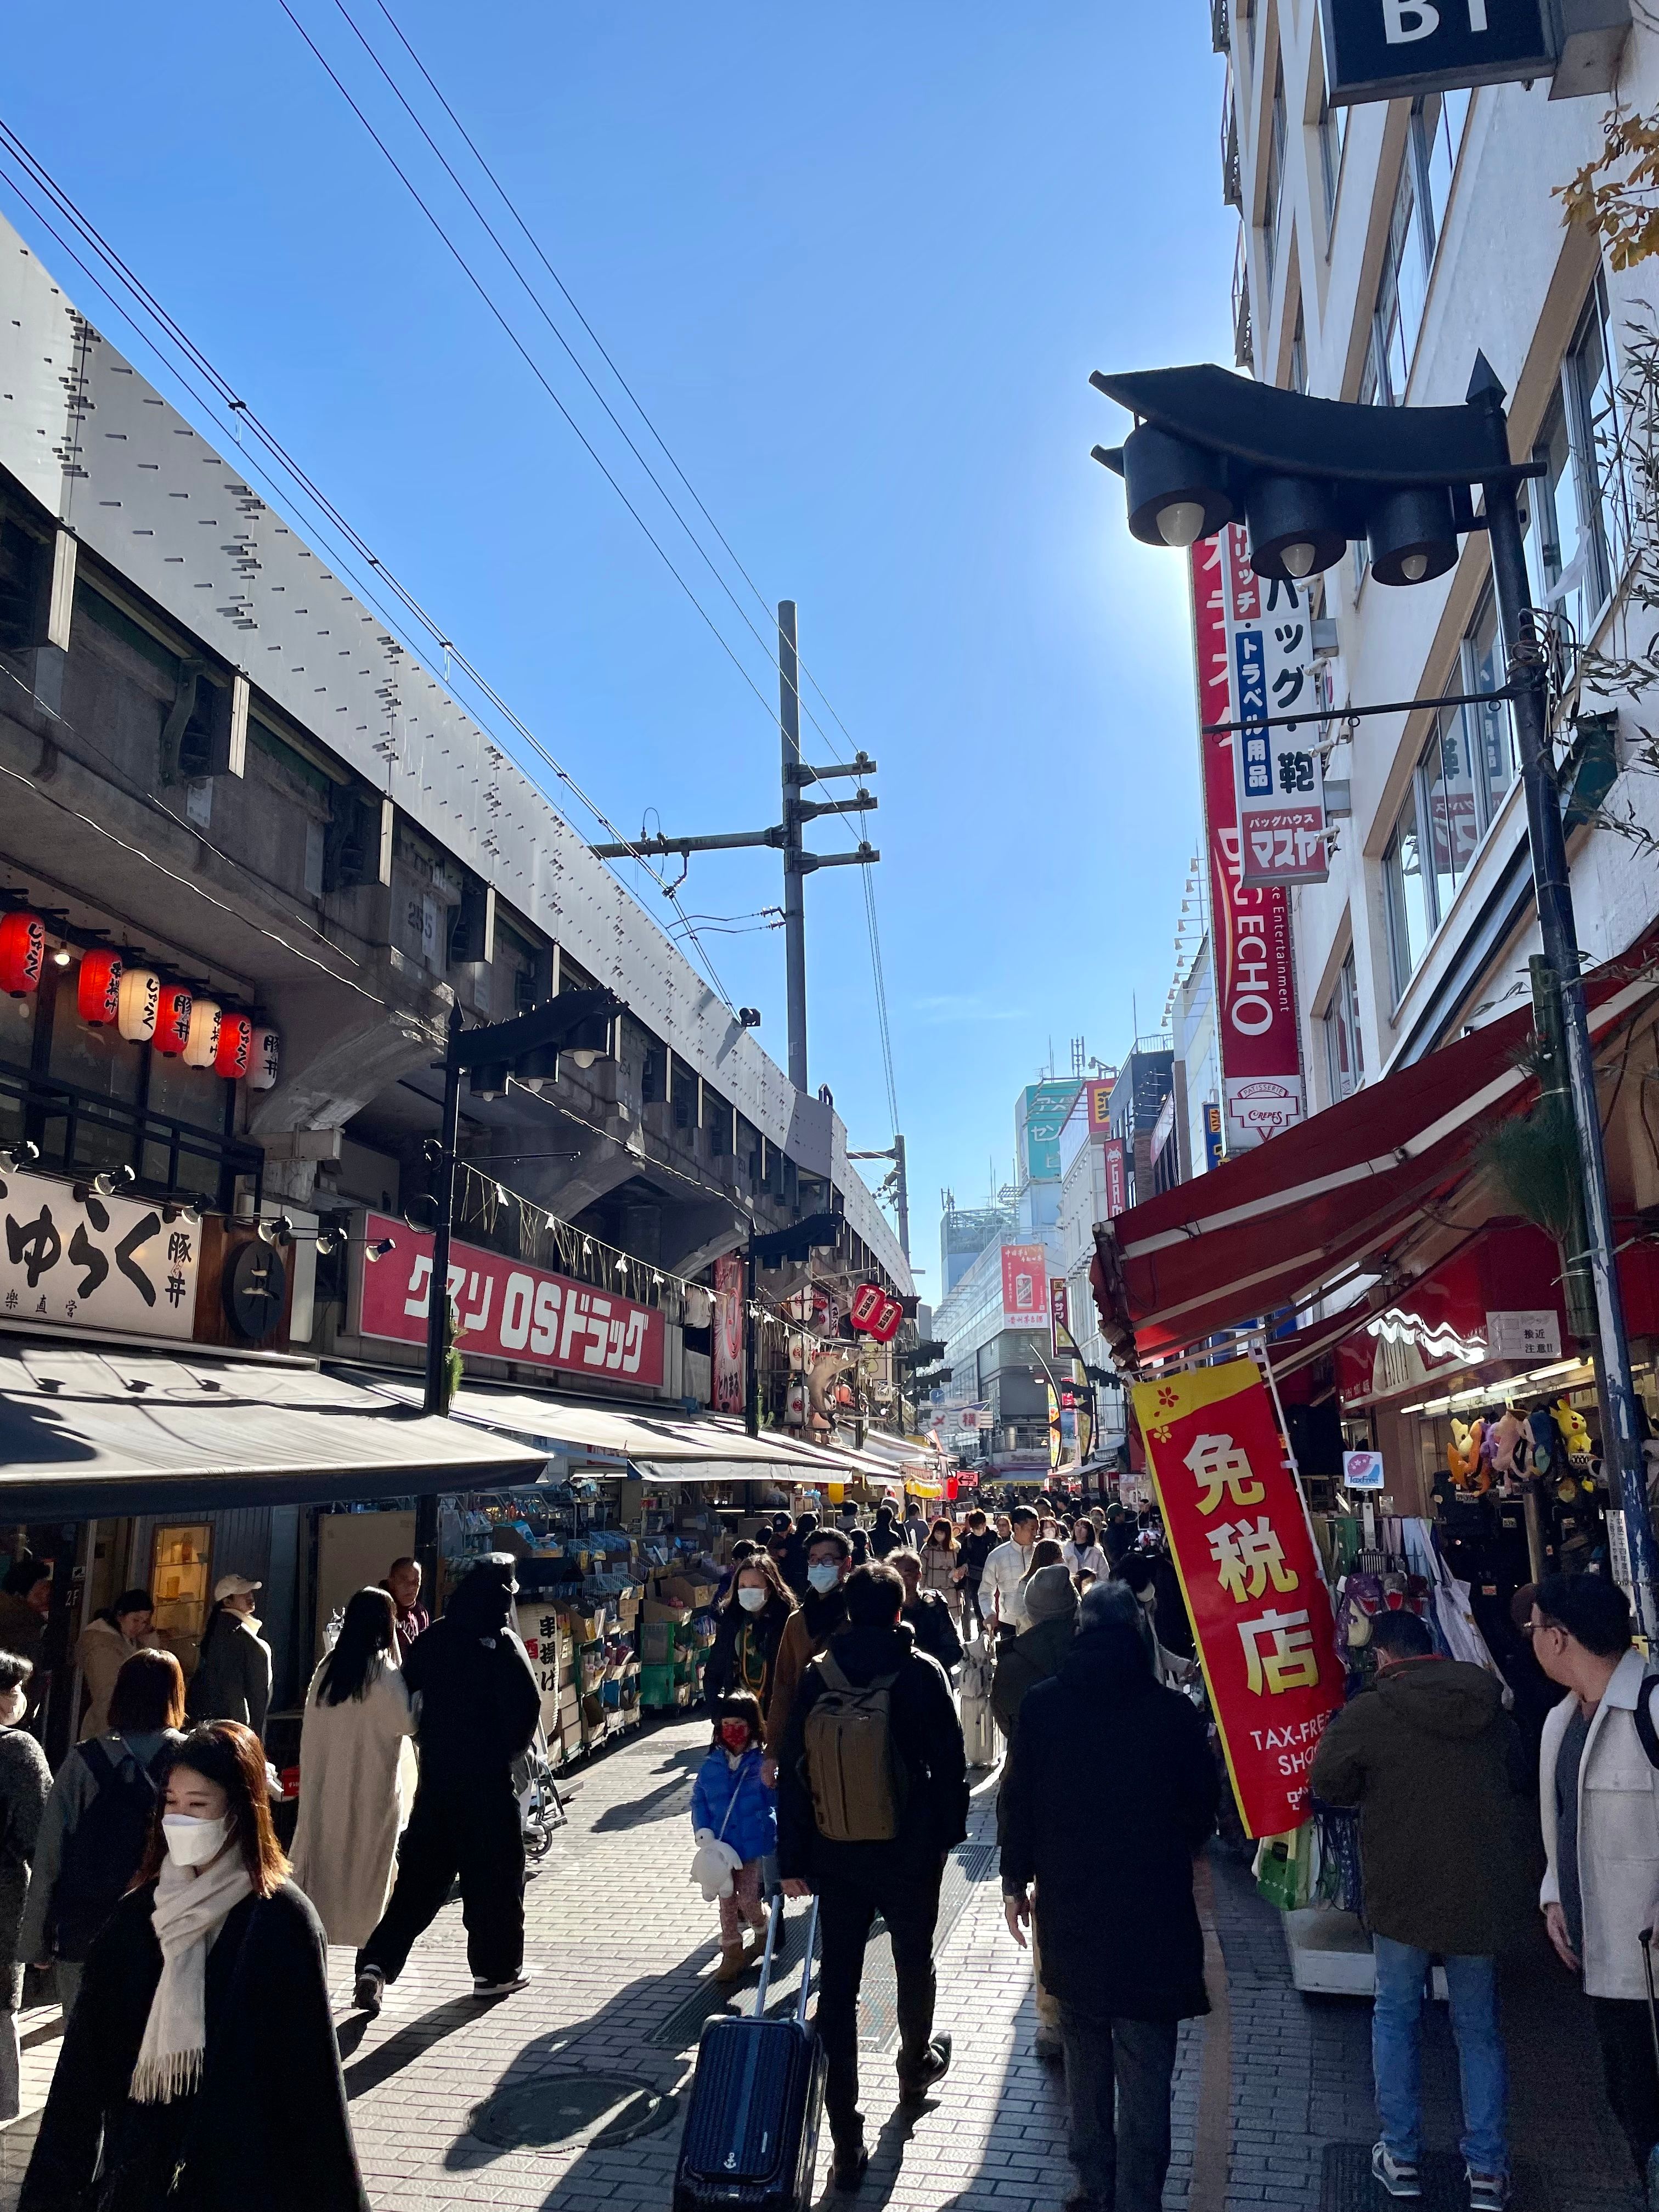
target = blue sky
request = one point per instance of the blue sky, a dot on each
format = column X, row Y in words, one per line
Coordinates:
column 857, row 263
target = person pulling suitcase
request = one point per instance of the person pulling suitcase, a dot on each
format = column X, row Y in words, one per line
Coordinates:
column 873, row 1794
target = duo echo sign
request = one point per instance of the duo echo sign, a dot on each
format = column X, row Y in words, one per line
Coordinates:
column 1388, row 49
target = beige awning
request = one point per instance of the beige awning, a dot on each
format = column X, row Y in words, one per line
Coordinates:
column 87, row 1431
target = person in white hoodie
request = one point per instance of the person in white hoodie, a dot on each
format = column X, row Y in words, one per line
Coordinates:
column 1599, row 1804
column 106, row 1644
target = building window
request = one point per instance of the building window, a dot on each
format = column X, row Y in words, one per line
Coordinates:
column 1415, row 229
column 1460, row 781
column 1299, row 353
column 1576, row 526
column 1409, row 925
column 1345, row 1059
column 1274, row 188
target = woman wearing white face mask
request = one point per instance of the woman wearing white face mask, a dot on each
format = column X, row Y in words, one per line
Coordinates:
column 744, row 1653
column 200, row 2067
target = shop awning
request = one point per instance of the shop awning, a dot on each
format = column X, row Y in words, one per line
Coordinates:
column 86, row 1431
column 1336, row 1198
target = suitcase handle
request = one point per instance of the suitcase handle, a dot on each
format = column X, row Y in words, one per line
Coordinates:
column 806, row 1966
column 773, row 1930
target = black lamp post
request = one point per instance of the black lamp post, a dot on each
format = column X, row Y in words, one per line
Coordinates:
column 1307, row 477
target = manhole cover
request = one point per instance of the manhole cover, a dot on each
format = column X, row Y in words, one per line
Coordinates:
column 590, row 2111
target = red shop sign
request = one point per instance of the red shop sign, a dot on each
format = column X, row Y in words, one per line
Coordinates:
column 1252, row 1581
column 509, row 1310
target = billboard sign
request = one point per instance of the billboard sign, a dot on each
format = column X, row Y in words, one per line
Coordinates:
column 1043, row 1108
column 1402, row 49
column 1256, row 984
column 95, row 1263
column 509, row 1310
column 1114, row 1162
column 1025, row 1286
column 1280, row 772
column 1212, row 1152
column 1100, row 1105
column 728, row 1333
column 1251, row 1578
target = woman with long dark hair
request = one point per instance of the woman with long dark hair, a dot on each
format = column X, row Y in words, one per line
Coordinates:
column 352, row 1808
column 200, row 2067
column 752, row 1620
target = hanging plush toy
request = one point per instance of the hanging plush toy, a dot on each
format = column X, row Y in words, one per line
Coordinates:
column 1504, row 1440
column 1541, row 1432
column 1574, row 1432
column 1463, row 1452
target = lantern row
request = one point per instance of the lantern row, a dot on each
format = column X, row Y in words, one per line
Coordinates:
column 168, row 1016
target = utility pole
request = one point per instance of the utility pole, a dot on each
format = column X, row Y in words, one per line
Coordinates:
column 785, row 836
column 900, row 1182
column 795, row 883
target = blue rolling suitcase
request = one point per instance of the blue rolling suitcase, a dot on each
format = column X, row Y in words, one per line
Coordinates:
column 751, row 2130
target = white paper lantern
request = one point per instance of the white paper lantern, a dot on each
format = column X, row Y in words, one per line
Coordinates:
column 202, row 1045
column 264, row 1060
column 136, row 1007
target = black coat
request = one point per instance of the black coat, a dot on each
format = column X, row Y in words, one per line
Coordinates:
column 267, row 2131
column 722, row 1675
column 935, row 1632
column 926, row 1735
column 1109, row 1791
column 480, row 1701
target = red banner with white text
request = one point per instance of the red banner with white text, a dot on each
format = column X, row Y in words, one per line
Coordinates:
column 1259, row 1608
column 508, row 1310
column 1255, row 978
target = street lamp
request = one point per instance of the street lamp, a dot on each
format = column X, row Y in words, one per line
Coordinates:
column 1307, row 477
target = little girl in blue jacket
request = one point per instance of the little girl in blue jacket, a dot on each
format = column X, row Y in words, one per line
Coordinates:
column 732, row 1806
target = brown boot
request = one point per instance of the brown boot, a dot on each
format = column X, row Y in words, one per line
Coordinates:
column 733, row 1964
column 757, row 1945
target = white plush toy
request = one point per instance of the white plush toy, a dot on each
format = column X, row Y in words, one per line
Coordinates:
column 713, row 1865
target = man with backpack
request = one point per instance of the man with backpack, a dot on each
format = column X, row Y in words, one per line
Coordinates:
column 873, row 1794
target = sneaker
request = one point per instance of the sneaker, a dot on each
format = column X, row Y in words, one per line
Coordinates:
column 1398, row 2178
column 369, row 1991
column 851, row 2163
column 915, row 2081
column 481, row 1988
column 1488, row 2192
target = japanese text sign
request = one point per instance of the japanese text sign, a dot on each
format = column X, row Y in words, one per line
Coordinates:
column 1115, row 1167
column 95, row 1262
column 1280, row 772
column 509, row 1310
column 1251, row 1578
column 728, row 1333
column 876, row 1313
column 1024, row 1286
column 1255, row 981
column 1100, row 1106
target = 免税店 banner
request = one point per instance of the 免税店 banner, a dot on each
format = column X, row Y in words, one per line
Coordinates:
column 1255, row 980
column 1280, row 774
column 509, row 1310
column 728, row 1371
column 1252, row 1581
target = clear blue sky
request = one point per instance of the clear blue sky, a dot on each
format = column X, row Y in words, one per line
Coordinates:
column 857, row 262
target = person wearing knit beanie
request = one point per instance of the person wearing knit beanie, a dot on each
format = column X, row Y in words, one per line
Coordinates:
column 1050, row 1594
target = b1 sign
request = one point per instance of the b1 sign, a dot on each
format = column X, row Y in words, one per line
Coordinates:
column 1390, row 49
column 508, row 1310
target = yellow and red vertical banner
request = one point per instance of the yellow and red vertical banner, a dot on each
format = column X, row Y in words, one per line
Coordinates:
column 1251, row 1578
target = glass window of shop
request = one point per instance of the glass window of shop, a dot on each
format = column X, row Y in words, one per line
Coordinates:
column 1273, row 190
column 1406, row 893
column 1414, row 229
column 1345, row 1059
column 196, row 1097
column 1577, row 527
column 96, row 1058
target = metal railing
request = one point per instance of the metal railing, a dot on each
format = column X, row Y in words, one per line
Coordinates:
column 1221, row 28
column 1232, row 174
column 81, row 1132
column 1243, row 336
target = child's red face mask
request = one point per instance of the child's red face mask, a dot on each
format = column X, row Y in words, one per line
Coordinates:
column 734, row 1735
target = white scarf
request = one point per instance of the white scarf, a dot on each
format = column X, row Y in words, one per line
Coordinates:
column 192, row 1904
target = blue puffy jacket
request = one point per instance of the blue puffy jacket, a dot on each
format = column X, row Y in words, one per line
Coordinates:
column 751, row 1828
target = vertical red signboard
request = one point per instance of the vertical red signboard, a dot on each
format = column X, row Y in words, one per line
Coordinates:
column 1255, row 980
column 728, row 1333
column 1251, row 1578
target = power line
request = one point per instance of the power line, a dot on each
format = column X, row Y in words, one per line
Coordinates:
column 243, row 418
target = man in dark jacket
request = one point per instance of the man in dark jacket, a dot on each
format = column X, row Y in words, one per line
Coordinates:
column 898, row 1878
column 1108, row 1769
column 979, row 1541
column 1037, row 1655
column 794, row 1555
column 1437, row 1769
column 885, row 1537
column 927, row 1612
column 480, row 1704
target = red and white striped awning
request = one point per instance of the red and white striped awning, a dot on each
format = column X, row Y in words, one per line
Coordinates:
column 1336, row 1198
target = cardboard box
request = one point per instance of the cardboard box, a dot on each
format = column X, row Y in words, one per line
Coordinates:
column 656, row 1612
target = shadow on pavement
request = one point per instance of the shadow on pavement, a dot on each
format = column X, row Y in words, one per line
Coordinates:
column 402, row 2049
column 657, row 1804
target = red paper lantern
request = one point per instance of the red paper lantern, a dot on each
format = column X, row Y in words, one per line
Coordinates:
column 874, row 1313
column 98, row 988
column 173, row 1009
column 22, row 952
column 235, row 1046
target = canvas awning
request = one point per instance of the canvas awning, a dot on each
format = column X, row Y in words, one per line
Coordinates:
column 1367, row 1188
column 89, row 1430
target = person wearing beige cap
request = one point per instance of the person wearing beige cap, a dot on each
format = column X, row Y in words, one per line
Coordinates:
column 232, row 1673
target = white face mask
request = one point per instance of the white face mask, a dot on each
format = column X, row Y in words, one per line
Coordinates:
column 193, row 1842
column 751, row 1599
column 823, row 1576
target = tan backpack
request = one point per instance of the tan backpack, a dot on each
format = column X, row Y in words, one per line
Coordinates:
column 852, row 1769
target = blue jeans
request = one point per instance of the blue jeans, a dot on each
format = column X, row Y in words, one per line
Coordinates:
column 1396, row 2054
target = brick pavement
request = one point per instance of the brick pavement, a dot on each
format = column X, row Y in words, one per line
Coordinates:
column 618, row 1940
